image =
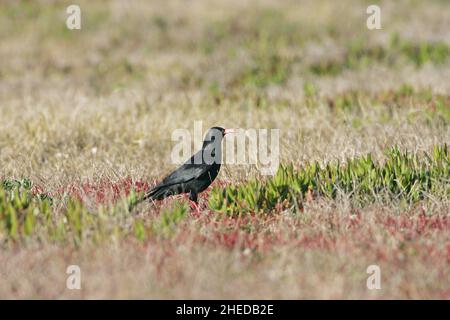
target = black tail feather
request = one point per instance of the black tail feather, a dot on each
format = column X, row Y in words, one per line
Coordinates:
column 152, row 194
column 159, row 193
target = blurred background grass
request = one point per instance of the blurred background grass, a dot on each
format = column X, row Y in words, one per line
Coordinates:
column 216, row 45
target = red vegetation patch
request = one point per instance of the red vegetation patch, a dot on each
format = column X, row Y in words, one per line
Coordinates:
column 104, row 191
column 411, row 233
column 414, row 226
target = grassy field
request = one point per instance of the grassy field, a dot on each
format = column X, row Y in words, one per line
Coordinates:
column 86, row 123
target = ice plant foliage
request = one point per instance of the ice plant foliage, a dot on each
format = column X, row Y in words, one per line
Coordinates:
column 25, row 211
column 19, row 205
column 402, row 175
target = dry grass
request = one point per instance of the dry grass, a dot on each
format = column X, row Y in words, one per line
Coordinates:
column 100, row 104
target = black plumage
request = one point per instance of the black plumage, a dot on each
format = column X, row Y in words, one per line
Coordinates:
column 196, row 174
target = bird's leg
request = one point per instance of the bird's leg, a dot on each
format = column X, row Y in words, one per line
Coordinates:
column 193, row 200
column 194, row 206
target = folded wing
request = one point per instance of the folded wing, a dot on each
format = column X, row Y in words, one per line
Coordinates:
column 187, row 172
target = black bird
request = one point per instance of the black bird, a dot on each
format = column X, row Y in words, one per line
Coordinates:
column 196, row 174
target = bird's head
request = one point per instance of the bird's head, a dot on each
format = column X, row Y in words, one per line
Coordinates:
column 213, row 143
column 215, row 135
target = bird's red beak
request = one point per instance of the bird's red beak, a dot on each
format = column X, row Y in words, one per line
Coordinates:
column 227, row 131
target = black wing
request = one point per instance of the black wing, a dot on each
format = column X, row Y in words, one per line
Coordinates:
column 187, row 172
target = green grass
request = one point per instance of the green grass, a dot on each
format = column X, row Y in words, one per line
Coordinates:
column 359, row 54
column 19, row 207
column 434, row 108
column 169, row 219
